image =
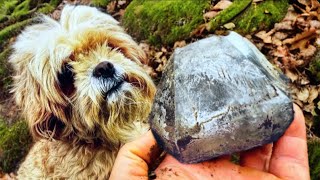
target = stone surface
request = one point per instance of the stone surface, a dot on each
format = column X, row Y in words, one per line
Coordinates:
column 218, row 96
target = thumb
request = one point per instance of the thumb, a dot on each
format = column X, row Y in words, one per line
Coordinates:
column 133, row 158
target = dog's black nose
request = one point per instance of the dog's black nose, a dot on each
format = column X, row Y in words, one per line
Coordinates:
column 104, row 69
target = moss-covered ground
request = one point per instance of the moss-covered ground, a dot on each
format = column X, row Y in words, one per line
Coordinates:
column 163, row 21
column 314, row 158
column 100, row 3
column 314, row 67
column 260, row 16
column 15, row 141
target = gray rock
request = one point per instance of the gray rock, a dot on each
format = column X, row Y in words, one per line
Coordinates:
column 218, row 96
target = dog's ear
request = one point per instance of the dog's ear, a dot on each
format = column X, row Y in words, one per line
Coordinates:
column 35, row 86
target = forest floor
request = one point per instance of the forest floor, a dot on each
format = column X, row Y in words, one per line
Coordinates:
column 292, row 45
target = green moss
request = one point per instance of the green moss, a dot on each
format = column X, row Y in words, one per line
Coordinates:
column 250, row 17
column 314, row 157
column 163, row 21
column 3, row 18
column 228, row 14
column 261, row 16
column 47, row 8
column 314, row 67
column 100, row 3
column 13, row 30
column 5, row 71
column 15, row 142
column 9, row 6
column 22, row 9
column 55, row 3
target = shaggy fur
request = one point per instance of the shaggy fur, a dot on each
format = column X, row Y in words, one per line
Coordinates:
column 77, row 122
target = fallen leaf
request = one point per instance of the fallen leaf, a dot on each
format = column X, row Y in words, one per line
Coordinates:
column 304, row 2
column 200, row 29
column 179, row 44
column 221, row 5
column 264, row 36
column 300, row 36
column 284, row 25
column 309, row 108
column 280, row 35
column 256, row 1
column 314, row 92
column 303, row 95
column 308, row 52
column 210, row 15
column 163, row 49
column 303, row 80
column 229, row 26
column 291, row 75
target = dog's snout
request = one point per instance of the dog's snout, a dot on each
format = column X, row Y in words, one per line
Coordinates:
column 104, row 69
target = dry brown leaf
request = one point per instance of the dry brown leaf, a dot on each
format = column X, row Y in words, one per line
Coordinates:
column 120, row 13
column 315, row 24
column 284, row 25
column 300, row 44
column 111, row 6
column 210, row 15
column 291, row 75
column 276, row 41
column 303, row 95
column 163, row 49
column 221, row 5
column 303, row 79
column 307, row 52
column 318, row 41
column 229, row 26
column 314, row 92
column 266, row 37
column 164, row 60
column 199, row 30
column 158, row 55
column 304, row 2
column 122, row 2
column 280, row 35
column 281, row 51
column 179, row 44
column 300, row 36
column 309, row 108
column 160, row 68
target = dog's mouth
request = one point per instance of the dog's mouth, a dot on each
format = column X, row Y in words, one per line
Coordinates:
column 115, row 88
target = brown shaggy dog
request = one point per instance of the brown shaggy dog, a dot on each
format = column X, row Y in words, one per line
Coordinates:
column 81, row 84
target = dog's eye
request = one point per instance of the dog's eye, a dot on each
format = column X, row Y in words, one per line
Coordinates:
column 66, row 80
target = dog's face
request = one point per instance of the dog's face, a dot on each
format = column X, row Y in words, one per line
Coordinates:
column 82, row 78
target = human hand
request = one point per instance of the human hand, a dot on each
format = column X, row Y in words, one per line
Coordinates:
column 285, row 159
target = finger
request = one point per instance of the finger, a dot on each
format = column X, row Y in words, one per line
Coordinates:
column 258, row 158
column 217, row 169
column 134, row 157
column 290, row 159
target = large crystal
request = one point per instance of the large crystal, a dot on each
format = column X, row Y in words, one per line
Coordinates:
column 218, row 96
